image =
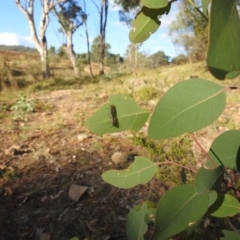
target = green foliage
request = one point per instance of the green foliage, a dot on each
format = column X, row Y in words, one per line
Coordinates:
column 96, row 49
column 127, row 5
column 17, row 48
column 229, row 235
column 147, row 93
column 21, row 108
column 224, row 22
column 61, row 52
column 131, row 118
column 52, row 51
column 189, row 30
column 223, row 153
column 187, row 107
column 140, row 172
column 146, row 23
column 176, row 211
column 179, row 59
column 176, row 114
column 136, row 225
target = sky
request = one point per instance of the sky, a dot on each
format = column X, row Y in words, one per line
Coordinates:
column 14, row 30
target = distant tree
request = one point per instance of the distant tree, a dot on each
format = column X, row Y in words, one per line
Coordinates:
column 158, row 59
column 82, row 58
column 19, row 48
column 103, row 13
column 96, row 49
column 179, row 59
column 189, row 31
column 114, row 58
column 61, row 52
column 52, row 50
column 132, row 56
column 127, row 5
column 70, row 16
column 40, row 41
column 128, row 11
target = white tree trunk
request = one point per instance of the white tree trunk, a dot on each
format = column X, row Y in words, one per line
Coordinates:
column 40, row 41
column 71, row 55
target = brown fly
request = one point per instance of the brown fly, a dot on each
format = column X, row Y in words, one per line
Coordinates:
column 114, row 118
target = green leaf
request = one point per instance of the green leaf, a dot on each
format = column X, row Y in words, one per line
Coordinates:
column 154, row 3
column 140, row 171
column 129, row 116
column 178, row 209
column 212, row 197
column 230, row 235
column 187, row 107
column 136, row 225
column 209, row 179
column 150, row 215
column 225, row 206
column 224, row 38
column 233, row 74
column 205, row 4
column 225, row 150
column 143, row 26
column 233, row 227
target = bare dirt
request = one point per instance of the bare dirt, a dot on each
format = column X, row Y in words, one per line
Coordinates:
column 39, row 161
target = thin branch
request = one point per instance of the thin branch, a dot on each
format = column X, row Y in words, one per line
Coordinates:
column 96, row 6
column 206, row 154
column 179, row 165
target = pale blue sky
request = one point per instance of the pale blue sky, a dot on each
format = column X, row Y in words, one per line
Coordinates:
column 14, row 30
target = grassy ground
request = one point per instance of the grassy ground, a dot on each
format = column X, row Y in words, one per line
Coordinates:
column 47, row 148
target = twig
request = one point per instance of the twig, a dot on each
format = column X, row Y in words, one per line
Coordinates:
column 199, row 145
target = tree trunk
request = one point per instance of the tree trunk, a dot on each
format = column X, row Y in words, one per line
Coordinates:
column 44, row 58
column 71, row 55
column 41, row 42
column 88, row 45
column 103, row 24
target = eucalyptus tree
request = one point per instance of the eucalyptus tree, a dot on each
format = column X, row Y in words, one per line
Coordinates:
column 128, row 11
column 39, row 40
column 70, row 16
column 103, row 13
column 189, row 30
column 87, row 40
column 96, row 48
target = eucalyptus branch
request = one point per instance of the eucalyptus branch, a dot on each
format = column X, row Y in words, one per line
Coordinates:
column 197, row 8
column 206, row 154
column 176, row 164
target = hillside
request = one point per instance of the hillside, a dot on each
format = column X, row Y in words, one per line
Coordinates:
column 44, row 152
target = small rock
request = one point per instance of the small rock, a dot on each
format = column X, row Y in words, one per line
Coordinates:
column 76, row 191
column 45, row 236
column 82, row 136
column 119, row 158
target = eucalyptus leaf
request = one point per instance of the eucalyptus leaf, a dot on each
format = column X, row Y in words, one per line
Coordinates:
column 140, row 171
column 187, row 107
column 209, row 179
column 155, row 3
column 129, row 116
column 224, row 38
column 230, row 235
column 233, row 227
column 232, row 74
column 143, row 26
column 225, row 206
column 178, row 208
column 212, row 197
column 225, row 150
column 205, row 6
column 136, row 225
